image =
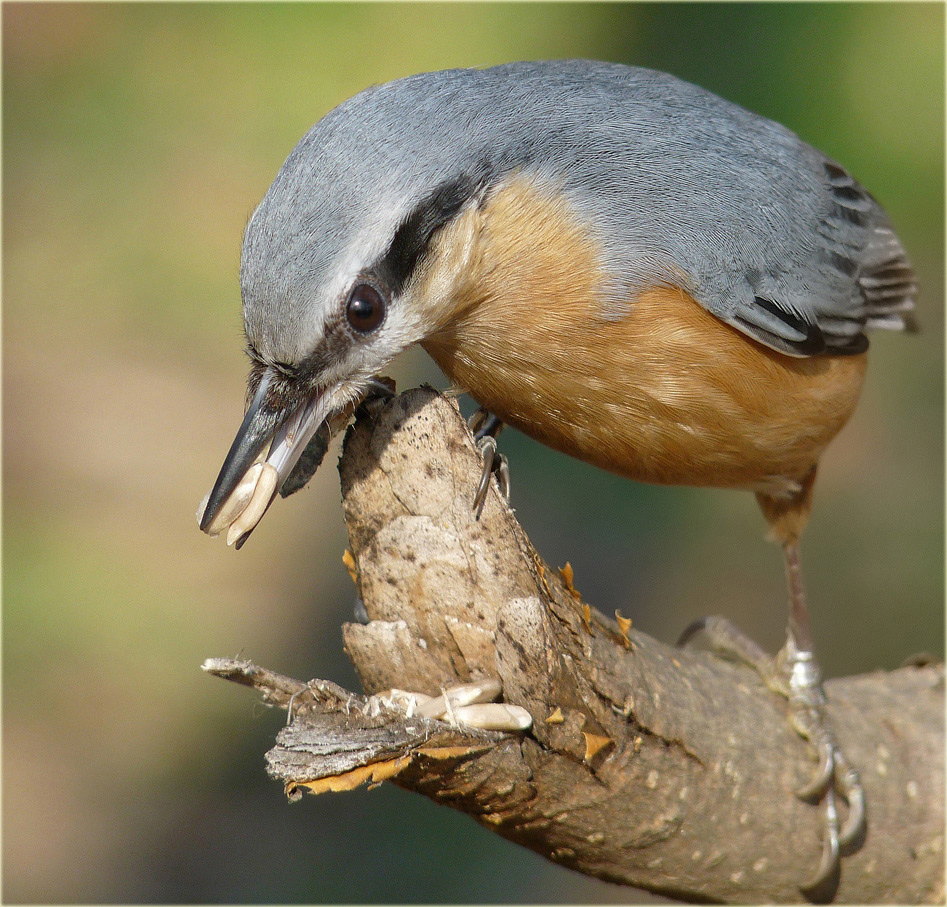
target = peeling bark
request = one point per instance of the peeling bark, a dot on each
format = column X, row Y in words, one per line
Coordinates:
column 670, row 770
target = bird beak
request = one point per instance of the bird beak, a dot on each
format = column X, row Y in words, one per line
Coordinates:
column 268, row 445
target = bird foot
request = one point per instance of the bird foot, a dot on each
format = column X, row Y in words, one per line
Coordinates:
column 486, row 427
column 834, row 777
column 796, row 675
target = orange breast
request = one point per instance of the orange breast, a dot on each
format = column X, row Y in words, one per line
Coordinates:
column 667, row 393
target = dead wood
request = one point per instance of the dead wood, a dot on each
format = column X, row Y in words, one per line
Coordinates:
column 646, row 765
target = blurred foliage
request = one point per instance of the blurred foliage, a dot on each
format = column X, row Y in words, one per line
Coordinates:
column 136, row 140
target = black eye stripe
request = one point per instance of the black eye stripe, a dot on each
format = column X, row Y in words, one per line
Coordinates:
column 412, row 238
column 329, row 353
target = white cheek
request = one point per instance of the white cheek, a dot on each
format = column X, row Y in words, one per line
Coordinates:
column 402, row 330
column 375, row 355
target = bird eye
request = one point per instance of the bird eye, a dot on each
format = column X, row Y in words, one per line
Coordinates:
column 366, row 309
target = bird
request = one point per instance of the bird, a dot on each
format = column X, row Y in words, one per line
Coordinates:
column 623, row 265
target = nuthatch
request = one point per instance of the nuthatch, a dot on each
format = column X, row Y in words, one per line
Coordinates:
column 622, row 265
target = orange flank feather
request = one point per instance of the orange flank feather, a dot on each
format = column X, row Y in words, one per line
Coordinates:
column 667, row 393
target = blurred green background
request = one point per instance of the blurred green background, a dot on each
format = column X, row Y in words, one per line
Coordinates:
column 136, row 141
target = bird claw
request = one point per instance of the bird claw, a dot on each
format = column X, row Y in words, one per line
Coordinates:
column 807, row 707
column 486, row 427
column 494, row 463
column 795, row 675
column 838, row 836
column 727, row 640
column 831, row 861
column 817, row 787
column 854, row 826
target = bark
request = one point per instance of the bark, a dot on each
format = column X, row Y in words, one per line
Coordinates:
column 670, row 770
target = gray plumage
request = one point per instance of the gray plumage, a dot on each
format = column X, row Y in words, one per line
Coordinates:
column 679, row 185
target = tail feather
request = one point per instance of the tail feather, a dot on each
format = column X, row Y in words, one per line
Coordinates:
column 888, row 283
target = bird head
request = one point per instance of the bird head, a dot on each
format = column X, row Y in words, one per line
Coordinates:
column 333, row 275
column 361, row 246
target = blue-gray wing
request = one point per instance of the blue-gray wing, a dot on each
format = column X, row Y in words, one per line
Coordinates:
column 856, row 277
column 764, row 230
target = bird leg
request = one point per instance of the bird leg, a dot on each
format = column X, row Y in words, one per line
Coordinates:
column 795, row 674
column 486, row 428
column 797, row 668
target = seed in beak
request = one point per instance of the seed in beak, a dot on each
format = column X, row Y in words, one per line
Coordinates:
column 263, row 494
column 235, row 504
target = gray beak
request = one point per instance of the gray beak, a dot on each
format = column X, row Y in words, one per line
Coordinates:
column 255, row 432
column 268, row 445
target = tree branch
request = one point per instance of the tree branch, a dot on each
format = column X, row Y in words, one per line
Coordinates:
column 666, row 769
